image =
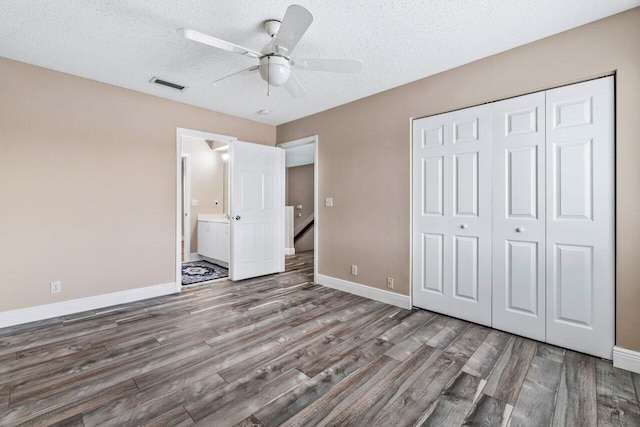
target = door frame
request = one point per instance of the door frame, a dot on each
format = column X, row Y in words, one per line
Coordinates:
column 186, row 204
column 180, row 133
column 316, row 211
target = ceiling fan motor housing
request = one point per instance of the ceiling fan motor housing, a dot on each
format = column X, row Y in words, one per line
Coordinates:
column 275, row 69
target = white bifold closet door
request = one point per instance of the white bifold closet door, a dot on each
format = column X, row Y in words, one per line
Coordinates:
column 513, row 215
column 452, row 213
column 519, row 215
column 580, row 197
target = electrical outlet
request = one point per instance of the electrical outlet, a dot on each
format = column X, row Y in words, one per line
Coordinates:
column 390, row 282
column 354, row 270
column 56, row 287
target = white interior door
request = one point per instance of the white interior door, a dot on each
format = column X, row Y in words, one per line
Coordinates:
column 519, row 215
column 580, row 217
column 430, row 218
column 257, row 210
column 452, row 213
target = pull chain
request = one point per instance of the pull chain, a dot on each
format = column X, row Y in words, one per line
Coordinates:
column 268, row 76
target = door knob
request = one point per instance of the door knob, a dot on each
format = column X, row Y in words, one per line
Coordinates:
column 464, row 226
column 519, row 229
column 238, row 217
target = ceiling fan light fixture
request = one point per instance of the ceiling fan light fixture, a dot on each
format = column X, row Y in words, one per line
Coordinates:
column 275, row 57
column 275, row 70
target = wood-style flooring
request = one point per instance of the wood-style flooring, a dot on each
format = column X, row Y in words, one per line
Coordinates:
column 280, row 350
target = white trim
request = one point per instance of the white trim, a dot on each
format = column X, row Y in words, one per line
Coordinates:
column 626, row 359
column 411, row 211
column 283, row 200
column 63, row 308
column 289, row 251
column 316, row 208
column 402, row 301
column 180, row 132
column 186, row 203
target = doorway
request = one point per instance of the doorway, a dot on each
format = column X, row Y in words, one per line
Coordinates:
column 237, row 224
column 202, row 208
column 302, row 210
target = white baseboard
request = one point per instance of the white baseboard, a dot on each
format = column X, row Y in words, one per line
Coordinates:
column 63, row 308
column 289, row 251
column 626, row 359
column 402, row 301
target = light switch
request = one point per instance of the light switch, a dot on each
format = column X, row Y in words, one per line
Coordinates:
column 328, row 201
column 215, row 202
column 299, row 207
column 194, row 203
column 299, row 214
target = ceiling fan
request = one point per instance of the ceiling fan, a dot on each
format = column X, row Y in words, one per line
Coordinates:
column 276, row 63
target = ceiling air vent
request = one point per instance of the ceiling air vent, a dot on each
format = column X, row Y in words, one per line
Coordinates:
column 167, row 84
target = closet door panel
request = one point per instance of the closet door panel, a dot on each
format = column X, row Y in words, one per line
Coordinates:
column 465, row 269
column 465, row 184
column 433, row 185
column 519, row 215
column 468, row 262
column 573, row 173
column 431, row 164
column 433, row 260
column 580, row 217
column 522, row 182
column 522, row 278
column 452, row 214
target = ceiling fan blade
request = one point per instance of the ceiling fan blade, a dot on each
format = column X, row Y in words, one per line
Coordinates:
column 199, row 37
column 295, row 23
column 294, row 88
column 352, row 66
column 241, row 73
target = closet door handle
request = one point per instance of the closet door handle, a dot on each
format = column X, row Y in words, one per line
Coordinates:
column 463, row 226
column 520, row 229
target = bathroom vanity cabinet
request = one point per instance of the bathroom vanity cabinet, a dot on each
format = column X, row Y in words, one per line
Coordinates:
column 213, row 238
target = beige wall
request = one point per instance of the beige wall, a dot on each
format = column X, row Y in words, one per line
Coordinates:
column 88, row 184
column 207, row 182
column 300, row 192
column 364, row 150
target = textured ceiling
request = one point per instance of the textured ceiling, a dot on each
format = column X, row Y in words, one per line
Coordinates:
column 126, row 42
